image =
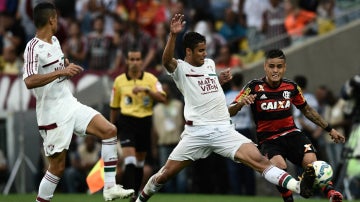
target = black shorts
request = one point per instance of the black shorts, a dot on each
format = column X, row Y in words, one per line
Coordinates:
column 135, row 132
column 292, row 147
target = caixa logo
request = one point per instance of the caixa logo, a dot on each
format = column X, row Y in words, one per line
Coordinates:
column 275, row 105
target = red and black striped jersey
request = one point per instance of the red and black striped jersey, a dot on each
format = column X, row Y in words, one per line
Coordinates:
column 272, row 109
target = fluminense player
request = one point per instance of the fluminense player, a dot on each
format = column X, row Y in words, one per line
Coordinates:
column 208, row 124
column 271, row 99
column 58, row 112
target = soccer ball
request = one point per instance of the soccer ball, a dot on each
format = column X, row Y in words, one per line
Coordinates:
column 323, row 172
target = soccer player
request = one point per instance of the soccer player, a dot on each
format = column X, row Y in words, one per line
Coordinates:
column 58, row 112
column 279, row 139
column 208, row 124
column 132, row 100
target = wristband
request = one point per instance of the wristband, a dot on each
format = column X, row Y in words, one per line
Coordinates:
column 328, row 128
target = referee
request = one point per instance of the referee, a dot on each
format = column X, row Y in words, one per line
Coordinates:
column 133, row 95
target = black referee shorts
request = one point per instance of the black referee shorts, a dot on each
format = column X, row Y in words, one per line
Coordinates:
column 135, row 132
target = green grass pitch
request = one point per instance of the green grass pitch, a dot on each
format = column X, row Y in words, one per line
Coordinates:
column 156, row 198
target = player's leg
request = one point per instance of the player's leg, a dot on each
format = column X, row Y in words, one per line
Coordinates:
column 139, row 171
column 251, row 156
column 331, row 193
column 142, row 135
column 328, row 190
column 154, row 184
column 57, row 139
column 280, row 162
column 296, row 148
column 52, row 176
column 134, row 166
column 193, row 145
column 239, row 148
column 128, row 177
column 275, row 150
column 107, row 132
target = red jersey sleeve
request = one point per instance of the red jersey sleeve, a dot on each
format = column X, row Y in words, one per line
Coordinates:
column 298, row 100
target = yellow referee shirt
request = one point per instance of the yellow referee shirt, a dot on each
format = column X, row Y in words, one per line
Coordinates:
column 139, row 105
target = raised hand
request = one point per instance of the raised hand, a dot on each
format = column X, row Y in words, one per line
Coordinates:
column 177, row 23
column 225, row 76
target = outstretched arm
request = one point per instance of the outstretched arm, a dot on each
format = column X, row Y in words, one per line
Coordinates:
column 315, row 117
column 246, row 100
column 176, row 25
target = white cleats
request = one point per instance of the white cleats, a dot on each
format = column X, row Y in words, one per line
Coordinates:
column 117, row 191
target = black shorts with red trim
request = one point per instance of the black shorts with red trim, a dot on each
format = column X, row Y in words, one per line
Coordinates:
column 291, row 146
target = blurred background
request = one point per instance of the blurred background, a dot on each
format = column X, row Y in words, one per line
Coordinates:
column 319, row 37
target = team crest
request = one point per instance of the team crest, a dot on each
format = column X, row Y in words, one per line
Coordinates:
column 50, row 148
column 128, row 100
column 286, row 94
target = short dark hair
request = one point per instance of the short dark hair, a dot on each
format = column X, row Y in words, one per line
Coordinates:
column 42, row 12
column 275, row 53
column 191, row 40
column 237, row 79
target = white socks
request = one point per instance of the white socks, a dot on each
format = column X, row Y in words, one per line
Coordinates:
column 279, row 177
column 47, row 187
column 109, row 155
column 150, row 189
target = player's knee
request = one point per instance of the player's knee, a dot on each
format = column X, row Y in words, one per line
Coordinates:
column 111, row 131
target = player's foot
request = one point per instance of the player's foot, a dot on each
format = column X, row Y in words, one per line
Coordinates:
column 133, row 198
column 117, row 192
column 288, row 198
column 335, row 196
column 307, row 181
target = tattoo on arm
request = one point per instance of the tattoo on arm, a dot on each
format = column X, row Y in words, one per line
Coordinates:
column 314, row 116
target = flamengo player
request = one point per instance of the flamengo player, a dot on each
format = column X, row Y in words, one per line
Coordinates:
column 208, row 124
column 58, row 113
column 271, row 100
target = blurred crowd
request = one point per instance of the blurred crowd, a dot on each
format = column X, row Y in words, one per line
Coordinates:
column 97, row 33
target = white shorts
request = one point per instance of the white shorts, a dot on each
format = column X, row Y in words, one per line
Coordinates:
column 200, row 141
column 59, row 135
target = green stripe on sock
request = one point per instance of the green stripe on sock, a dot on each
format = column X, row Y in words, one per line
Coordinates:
column 111, row 169
column 286, row 181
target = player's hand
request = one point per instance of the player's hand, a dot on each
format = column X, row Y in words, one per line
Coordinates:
column 225, row 76
column 248, row 99
column 336, row 136
column 72, row 70
column 67, row 62
column 177, row 23
column 138, row 89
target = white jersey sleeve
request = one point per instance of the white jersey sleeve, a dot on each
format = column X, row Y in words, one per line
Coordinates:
column 54, row 101
column 31, row 58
